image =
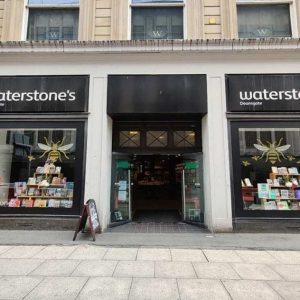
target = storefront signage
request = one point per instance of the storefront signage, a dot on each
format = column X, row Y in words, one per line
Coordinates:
column 149, row 95
column 43, row 94
column 263, row 93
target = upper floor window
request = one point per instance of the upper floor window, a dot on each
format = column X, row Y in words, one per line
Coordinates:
column 157, row 19
column 264, row 20
column 53, row 20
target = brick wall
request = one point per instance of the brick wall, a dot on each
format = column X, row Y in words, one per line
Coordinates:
column 103, row 20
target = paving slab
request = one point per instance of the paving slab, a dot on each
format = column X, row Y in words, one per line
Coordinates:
column 287, row 290
column 174, row 270
column 17, row 287
column 286, row 257
column 58, row 288
column 121, row 254
column 256, row 257
column 255, row 271
column 58, row 267
column 22, row 252
column 250, row 290
column 88, row 252
column 288, row 272
column 106, row 288
column 154, row 289
column 188, row 255
column 55, row 252
column 134, row 269
column 215, row 271
column 154, row 254
column 195, row 289
column 3, row 249
column 222, row 256
column 10, row 266
column 95, row 268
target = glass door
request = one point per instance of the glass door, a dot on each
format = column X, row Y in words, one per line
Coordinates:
column 192, row 188
column 121, row 206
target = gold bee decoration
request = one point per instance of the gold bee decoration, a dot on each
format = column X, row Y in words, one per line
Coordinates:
column 272, row 151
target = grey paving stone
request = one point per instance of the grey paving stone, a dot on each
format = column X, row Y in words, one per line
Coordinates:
column 195, row 289
column 222, row 256
column 154, row 254
column 287, row 290
column 121, row 254
column 58, row 267
column 134, row 269
column 95, row 268
column 106, row 288
column 286, row 257
column 250, row 290
column 22, row 252
column 174, row 270
column 188, row 255
column 255, row 271
column 88, row 252
column 256, row 257
column 9, row 266
column 55, row 252
column 3, row 249
column 215, row 271
column 154, row 289
column 288, row 272
column 58, row 288
column 17, row 287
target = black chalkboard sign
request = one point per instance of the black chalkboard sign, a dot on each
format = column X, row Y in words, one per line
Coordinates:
column 89, row 211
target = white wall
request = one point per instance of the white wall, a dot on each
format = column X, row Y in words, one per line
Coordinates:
column 215, row 133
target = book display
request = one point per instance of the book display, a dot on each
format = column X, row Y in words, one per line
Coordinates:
column 47, row 188
column 281, row 191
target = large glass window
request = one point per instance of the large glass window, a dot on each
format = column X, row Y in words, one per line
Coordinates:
column 52, row 24
column 157, row 23
column 270, row 165
column 38, row 168
column 256, row 21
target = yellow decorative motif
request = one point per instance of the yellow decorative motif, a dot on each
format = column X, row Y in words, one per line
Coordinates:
column 272, row 151
column 55, row 149
column 256, row 157
column 30, row 157
column 245, row 163
column 290, row 157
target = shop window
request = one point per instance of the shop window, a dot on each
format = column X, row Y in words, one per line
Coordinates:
column 157, row 138
column 257, row 21
column 130, row 139
column 184, row 139
column 53, row 21
column 37, row 168
column 150, row 21
column 270, row 175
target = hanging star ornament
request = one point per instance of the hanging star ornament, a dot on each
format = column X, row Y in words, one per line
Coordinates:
column 245, row 163
column 30, row 157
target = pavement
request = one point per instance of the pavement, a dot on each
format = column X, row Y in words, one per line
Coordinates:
column 83, row 271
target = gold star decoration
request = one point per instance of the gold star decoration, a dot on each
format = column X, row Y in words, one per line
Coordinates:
column 30, row 157
column 245, row 163
column 290, row 157
column 256, row 157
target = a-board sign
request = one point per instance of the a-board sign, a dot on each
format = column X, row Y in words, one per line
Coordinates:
column 89, row 212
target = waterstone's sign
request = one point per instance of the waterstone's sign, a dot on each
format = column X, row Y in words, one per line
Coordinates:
column 44, row 94
column 263, row 93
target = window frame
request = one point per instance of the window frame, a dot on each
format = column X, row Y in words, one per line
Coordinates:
column 156, row 5
column 292, row 10
column 236, row 191
column 28, row 6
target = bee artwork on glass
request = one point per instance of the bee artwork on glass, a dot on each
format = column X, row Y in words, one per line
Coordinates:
column 272, row 151
column 54, row 150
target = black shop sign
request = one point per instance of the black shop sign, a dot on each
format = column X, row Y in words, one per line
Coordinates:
column 44, row 94
column 263, row 93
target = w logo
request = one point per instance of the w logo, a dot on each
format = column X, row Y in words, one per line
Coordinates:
column 264, row 32
column 157, row 33
column 53, row 35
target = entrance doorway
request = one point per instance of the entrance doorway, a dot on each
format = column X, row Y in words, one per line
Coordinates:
column 157, row 188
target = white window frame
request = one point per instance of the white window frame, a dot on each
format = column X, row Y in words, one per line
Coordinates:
column 292, row 6
column 154, row 5
column 28, row 6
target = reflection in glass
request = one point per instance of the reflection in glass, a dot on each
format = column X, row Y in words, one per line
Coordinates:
column 184, row 139
column 157, row 138
column 130, row 139
column 37, row 168
column 270, row 161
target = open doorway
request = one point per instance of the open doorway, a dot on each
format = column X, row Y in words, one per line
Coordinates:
column 157, row 188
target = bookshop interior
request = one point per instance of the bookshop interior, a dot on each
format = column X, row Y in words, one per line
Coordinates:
column 37, row 168
column 269, row 166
